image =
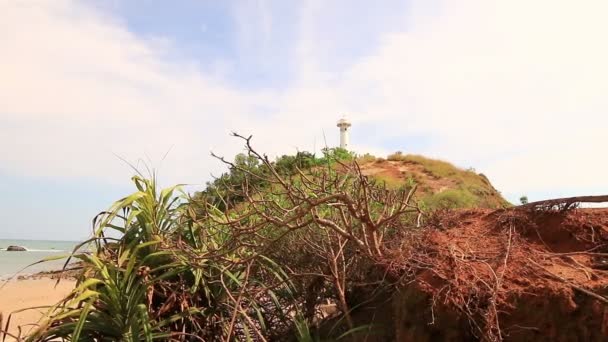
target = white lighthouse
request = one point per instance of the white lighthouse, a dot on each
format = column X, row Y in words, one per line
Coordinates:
column 344, row 125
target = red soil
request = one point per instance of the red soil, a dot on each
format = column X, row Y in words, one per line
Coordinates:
column 401, row 170
column 513, row 274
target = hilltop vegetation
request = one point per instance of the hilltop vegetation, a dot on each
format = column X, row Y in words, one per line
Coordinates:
column 440, row 185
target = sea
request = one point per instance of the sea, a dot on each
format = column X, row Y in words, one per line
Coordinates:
column 17, row 263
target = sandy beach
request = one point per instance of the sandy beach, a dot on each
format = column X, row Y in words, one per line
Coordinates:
column 19, row 294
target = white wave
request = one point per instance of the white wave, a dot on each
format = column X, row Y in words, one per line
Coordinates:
column 41, row 250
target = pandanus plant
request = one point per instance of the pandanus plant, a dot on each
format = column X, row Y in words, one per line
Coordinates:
column 160, row 272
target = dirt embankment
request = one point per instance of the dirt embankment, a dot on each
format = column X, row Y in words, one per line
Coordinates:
column 513, row 275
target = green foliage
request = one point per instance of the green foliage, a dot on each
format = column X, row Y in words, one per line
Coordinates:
column 170, row 272
column 247, row 170
column 469, row 188
column 450, row 199
column 523, row 200
column 390, row 182
column 438, row 168
column 365, row 159
column 334, row 154
column 304, row 333
column 222, row 191
column 397, row 156
column 410, row 182
column 288, row 165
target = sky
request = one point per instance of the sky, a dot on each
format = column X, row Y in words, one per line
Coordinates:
column 515, row 89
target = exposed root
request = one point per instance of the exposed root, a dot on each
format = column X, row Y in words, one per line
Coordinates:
column 490, row 265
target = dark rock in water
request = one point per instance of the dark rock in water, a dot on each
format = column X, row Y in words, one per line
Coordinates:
column 16, row 249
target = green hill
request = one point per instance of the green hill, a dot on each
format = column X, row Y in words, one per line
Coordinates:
column 440, row 184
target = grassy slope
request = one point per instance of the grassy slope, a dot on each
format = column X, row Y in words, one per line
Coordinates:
column 440, row 184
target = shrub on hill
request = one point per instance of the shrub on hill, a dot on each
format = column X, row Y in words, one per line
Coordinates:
column 225, row 191
column 183, row 269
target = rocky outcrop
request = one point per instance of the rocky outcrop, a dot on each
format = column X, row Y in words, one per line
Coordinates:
column 16, row 249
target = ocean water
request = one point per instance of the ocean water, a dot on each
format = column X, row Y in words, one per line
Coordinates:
column 13, row 262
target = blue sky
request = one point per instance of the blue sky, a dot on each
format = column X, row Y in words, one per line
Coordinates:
column 515, row 89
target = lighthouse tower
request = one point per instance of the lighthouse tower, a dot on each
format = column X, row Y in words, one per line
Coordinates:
column 344, row 126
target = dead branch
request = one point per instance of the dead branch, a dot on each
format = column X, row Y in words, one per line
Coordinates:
column 564, row 203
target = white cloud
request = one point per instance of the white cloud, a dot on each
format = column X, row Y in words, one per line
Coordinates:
column 77, row 87
column 514, row 88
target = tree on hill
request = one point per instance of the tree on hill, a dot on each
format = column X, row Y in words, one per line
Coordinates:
column 247, row 171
